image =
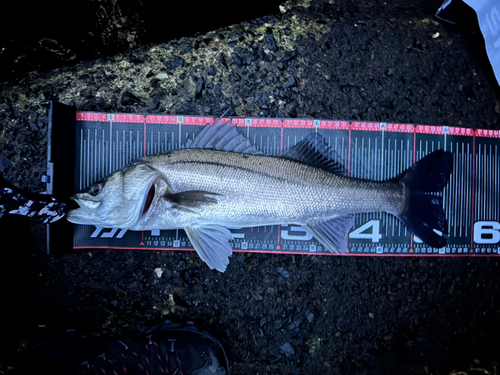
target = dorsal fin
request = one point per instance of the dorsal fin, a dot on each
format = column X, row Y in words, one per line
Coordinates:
column 223, row 136
column 314, row 151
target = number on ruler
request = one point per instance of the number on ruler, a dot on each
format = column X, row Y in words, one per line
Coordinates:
column 361, row 232
column 487, row 232
column 293, row 232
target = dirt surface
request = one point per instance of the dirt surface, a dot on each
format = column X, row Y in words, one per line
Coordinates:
column 380, row 61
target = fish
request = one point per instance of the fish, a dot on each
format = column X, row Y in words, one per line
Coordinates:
column 221, row 180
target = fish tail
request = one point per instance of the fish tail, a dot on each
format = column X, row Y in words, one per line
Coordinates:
column 423, row 211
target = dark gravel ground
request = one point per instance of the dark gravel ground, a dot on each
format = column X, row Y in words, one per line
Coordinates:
column 276, row 313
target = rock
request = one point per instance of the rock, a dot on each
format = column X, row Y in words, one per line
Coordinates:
column 287, row 349
column 129, row 98
column 199, row 87
column 4, row 163
column 309, row 316
column 261, row 99
column 295, row 325
column 175, row 63
column 237, row 60
column 185, row 48
column 271, row 43
column 283, row 272
column 212, row 71
column 153, row 104
column 291, row 80
column 5, row 110
column 48, row 91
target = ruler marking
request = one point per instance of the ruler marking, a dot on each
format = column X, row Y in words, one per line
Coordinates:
column 460, row 177
column 473, row 189
column 117, row 149
column 483, row 196
column 110, row 146
column 457, row 175
column 145, row 140
column 497, row 187
column 488, row 179
column 81, row 160
column 125, row 144
column 87, row 182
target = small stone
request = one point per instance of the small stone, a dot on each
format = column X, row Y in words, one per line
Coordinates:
column 309, row 316
column 158, row 271
column 237, row 60
column 48, row 91
column 4, row 163
column 283, row 272
column 129, row 98
column 153, row 104
column 290, row 80
column 199, row 87
column 175, row 63
column 271, row 43
column 295, row 325
column 287, row 349
column 212, row 71
column 261, row 99
column 185, row 48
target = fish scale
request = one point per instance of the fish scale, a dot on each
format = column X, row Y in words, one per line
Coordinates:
column 248, row 184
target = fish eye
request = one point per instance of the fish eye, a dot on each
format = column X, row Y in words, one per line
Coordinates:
column 95, row 189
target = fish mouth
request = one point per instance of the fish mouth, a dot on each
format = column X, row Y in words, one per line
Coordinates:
column 149, row 200
column 72, row 204
column 77, row 214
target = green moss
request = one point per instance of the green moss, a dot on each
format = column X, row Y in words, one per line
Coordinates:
column 286, row 31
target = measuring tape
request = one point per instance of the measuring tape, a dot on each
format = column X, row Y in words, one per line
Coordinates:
column 371, row 150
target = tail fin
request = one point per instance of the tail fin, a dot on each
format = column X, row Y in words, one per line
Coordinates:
column 425, row 182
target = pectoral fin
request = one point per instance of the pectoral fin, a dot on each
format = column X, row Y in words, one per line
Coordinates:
column 333, row 233
column 212, row 245
column 191, row 199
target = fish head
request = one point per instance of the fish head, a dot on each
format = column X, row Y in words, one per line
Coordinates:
column 118, row 201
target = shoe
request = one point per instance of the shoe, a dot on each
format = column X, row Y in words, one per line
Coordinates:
column 167, row 349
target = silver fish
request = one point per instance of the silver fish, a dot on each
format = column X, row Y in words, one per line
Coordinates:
column 221, row 181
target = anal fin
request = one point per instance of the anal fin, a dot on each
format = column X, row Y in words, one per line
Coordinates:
column 333, row 233
column 211, row 242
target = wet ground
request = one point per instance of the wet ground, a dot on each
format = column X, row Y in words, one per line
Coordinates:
column 275, row 313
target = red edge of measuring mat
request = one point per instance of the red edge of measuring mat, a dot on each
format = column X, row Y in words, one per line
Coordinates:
column 286, row 252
